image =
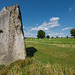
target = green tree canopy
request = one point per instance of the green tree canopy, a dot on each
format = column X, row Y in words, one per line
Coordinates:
column 67, row 36
column 47, row 36
column 52, row 37
column 57, row 37
column 41, row 34
column 72, row 32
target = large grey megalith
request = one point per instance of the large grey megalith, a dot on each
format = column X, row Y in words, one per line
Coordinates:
column 12, row 45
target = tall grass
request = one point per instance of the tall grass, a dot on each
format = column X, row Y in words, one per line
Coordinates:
column 32, row 67
column 46, row 57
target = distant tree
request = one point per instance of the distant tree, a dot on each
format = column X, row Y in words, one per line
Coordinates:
column 47, row 36
column 41, row 34
column 72, row 31
column 52, row 37
column 61, row 37
column 67, row 36
column 57, row 37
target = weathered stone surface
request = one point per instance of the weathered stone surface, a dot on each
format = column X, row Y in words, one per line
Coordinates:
column 12, row 45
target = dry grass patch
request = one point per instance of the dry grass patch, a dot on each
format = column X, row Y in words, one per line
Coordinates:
column 64, row 45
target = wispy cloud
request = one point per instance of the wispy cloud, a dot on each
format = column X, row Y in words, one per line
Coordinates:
column 67, row 28
column 54, row 19
column 70, row 8
column 27, row 28
column 53, row 22
column 37, row 25
column 56, row 34
column 28, row 34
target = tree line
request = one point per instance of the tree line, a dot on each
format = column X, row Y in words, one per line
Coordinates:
column 41, row 34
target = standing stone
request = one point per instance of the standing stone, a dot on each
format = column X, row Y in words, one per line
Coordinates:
column 12, row 46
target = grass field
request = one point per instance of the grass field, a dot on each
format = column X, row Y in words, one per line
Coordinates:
column 54, row 56
column 53, row 51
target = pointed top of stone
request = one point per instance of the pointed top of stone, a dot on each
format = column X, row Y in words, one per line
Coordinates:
column 10, row 8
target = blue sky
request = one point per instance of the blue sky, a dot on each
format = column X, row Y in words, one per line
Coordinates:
column 55, row 17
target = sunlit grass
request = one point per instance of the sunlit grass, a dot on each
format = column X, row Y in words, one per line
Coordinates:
column 57, row 50
column 44, row 57
column 30, row 66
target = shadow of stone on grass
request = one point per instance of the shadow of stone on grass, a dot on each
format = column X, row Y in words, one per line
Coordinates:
column 30, row 51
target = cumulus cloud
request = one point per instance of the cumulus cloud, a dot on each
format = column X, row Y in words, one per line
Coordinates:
column 67, row 28
column 53, row 22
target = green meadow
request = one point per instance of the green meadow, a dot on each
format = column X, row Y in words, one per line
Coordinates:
column 54, row 56
column 53, row 51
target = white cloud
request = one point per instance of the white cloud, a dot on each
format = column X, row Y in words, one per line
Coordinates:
column 70, row 8
column 67, row 28
column 27, row 28
column 46, row 25
column 50, row 34
column 28, row 34
column 56, row 34
column 54, row 19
